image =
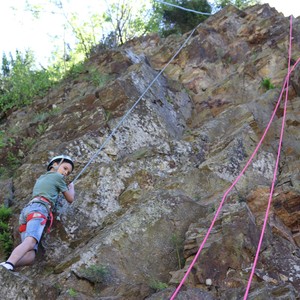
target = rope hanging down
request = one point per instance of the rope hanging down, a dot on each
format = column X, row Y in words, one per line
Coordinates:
column 286, row 84
column 133, row 107
column 236, row 181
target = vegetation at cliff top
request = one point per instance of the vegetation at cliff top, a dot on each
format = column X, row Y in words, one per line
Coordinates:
column 21, row 81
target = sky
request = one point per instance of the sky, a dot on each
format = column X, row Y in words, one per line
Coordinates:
column 20, row 30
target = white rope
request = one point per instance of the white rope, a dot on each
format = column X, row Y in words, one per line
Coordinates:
column 133, row 106
column 186, row 9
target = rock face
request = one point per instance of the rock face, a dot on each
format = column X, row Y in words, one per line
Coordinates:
column 145, row 203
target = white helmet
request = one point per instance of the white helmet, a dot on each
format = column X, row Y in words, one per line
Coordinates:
column 60, row 158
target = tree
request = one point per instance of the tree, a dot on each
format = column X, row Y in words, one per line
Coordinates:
column 175, row 20
column 238, row 3
column 127, row 19
column 86, row 32
column 112, row 23
column 20, row 83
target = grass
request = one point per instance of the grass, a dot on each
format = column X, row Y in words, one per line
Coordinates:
column 95, row 273
column 72, row 292
column 41, row 128
column 158, row 285
column 267, row 84
column 178, row 245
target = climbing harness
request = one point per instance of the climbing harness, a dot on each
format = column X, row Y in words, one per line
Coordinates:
column 33, row 215
column 45, row 201
column 285, row 87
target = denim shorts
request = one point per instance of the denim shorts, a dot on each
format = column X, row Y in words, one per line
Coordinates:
column 34, row 228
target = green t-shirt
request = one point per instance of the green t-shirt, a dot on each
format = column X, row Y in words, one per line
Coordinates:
column 49, row 186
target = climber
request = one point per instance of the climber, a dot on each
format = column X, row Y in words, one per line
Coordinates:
column 35, row 214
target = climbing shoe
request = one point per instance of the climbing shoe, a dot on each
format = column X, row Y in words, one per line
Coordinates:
column 8, row 266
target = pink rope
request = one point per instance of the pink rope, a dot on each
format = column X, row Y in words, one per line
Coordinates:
column 275, row 169
column 235, row 182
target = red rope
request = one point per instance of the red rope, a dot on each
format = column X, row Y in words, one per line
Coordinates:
column 286, row 82
column 275, row 169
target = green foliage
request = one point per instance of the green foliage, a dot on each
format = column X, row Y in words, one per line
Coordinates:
column 13, row 160
column 96, row 273
column 122, row 20
column 74, row 70
column 241, row 4
column 98, row 79
column 43, row 116
column 6, row 242
column 3, row 172
column 85, row 32
column 72, row 292
column 108, row 115
column 5, row 213
column 175, row 20
column 20, row 83
column 158, row 285
column 3, row 226
column 266, row 83
column 178, row 245
column 41, row 129
column 2, row 139
column 5, row 236
column 127, row 19
column 11, row 141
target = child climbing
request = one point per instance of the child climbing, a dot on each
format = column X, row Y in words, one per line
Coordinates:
column 35, row 214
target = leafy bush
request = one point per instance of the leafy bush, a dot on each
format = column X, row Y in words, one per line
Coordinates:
column 20, row 83
column 5, row 213
column 5, row 236
column 266, row 83
column 6, row 242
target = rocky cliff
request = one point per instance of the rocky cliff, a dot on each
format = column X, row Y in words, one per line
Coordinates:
column 144, row 204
